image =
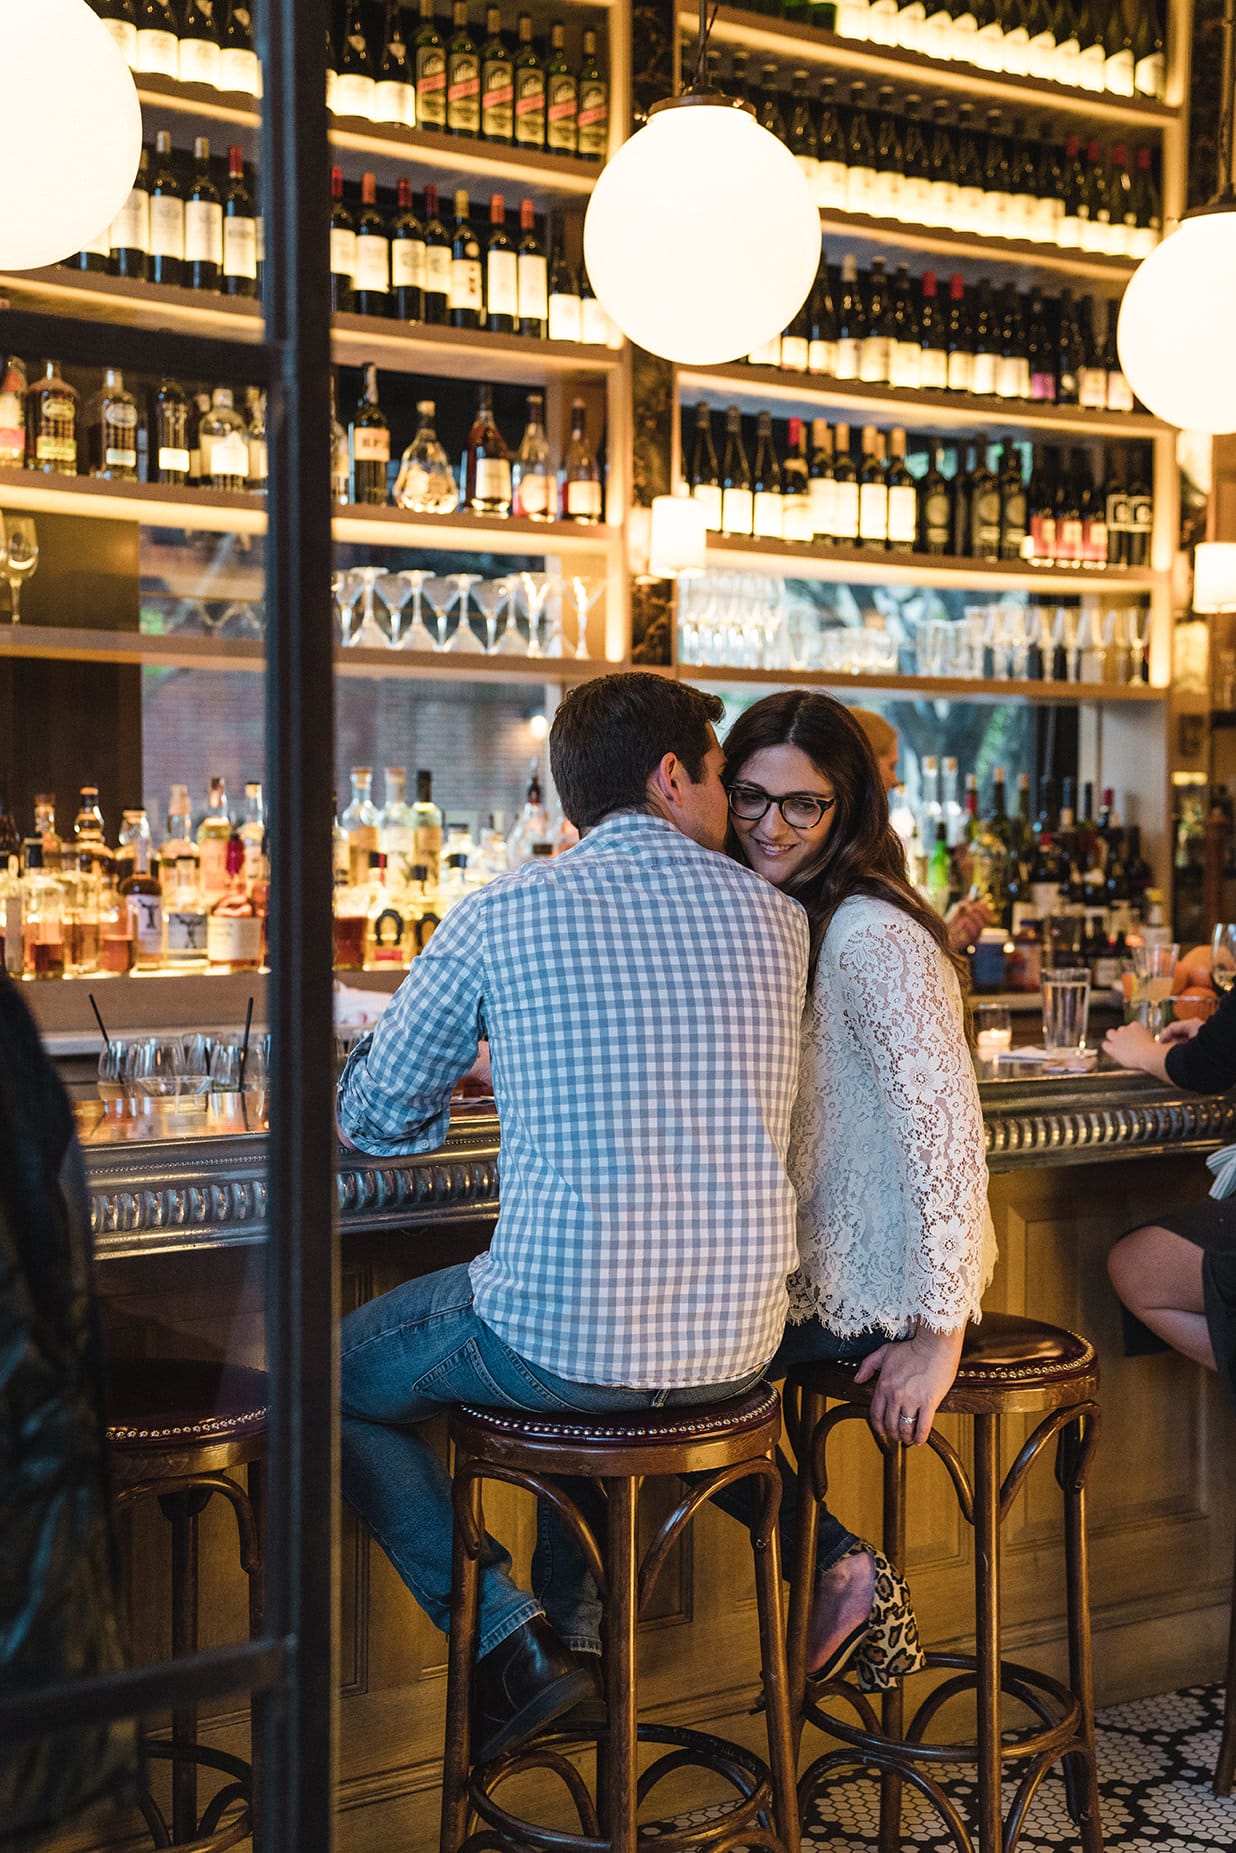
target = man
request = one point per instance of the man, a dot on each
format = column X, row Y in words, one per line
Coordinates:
column 641, row 997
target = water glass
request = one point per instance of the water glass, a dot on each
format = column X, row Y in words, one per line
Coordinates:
column 114, row 1070
column 1223, row 955
column 195, row 1052
column 1066, row 1008
column 993, row 1025
column 1154, row 968
column 157, row 1068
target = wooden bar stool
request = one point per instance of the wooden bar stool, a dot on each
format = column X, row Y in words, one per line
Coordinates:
column 1225, row 1764
column 717, row 1445
column 1009, row 1366
column 179, row 1431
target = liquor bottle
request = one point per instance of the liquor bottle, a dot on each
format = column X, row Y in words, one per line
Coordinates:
column 933, row 337
column 437, row 262
column 129, row 234
column 233, row 929
column 531, row 276
column 487, row 462
column 426, row 482
column 372, row 288
column 396, row 823
column 394, row 96
column 111, row 421
column 592, row 114
column 561, row 96
column 501, row 272
column 902, row 492
column 934, row 506
column 845, row 490
column 169, row 449
column 875, row 348
column 737, row 508
column 1014, row 523
column 184, row 916
column 407, row 258
column 369, row 437
column 51, row 407
column 565, row 310
column 362, row 823
column 533, row 486
column 158, row 42
column 427, row 822
column 581, row 474
column 497, row 82
column 703, row 471
column 141, row 894
column 12, row 423
column 120, row 20
column 872, row 492
column 203, row 224
column 213, row 835
column 529, row 89
column 355, row 90
column 467, row 293
column 200, row 47
column 429, row 71
column 340, row 462
column 766, row 482
column 198, row 410
column 343, row 257
column 240, row 231
column 252, row 832
column 255, row 441
column 983, row 538
column 939, row 870
column 960, row 340
column 463, row 78
column 1149, row 65
column 821, row 485
column 239, row 69
column 167, row 217
column 224, row 444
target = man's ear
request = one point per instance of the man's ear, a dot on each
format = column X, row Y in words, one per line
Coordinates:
column 665, row 783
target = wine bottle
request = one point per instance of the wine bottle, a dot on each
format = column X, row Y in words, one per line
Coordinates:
column 429, row 71
column 703, row 471
column 533, row 489
column 959, row 338
column 911, row 25
column 158, row 41
column 407, row 258
column 1013, row 370
column 167, row 216
column 872, row 492
column 529, row 89
column 1092, row 374
column 934, row 506
column 594, row 323
column 766, row 482
column 962, row 482
column 795, row 498
column 968, row 196
column 1039, row 354
column 373, row 254
column 1041, row 49
column 882, row 22
column 800, row 131
column 1094, row 524
column 240, row 231
column 1117, row 393
column 1149, row 64
column 200, row 47
column 821, row 484
column 1091, row 55
column 497, row 82
column 795, row 346
column 902, row 490
column 1041, row 501
column 203, row 224
column 915, row 205
column 487, row 462
column 861, row 186
column 941, row 168
column 501, row 272
column 565, row 313
column 1016, row 48
column 906, row 359
column 845, row 490
column 1122, row 231
column 340, row 461
column 1141, row 519
column 1149, row 213
column 1095, row 209
column 467, row 298
column 737, row 507
column 831, row 170
column 876, row 346
column 561, row 96
column 1022, row 215
column 239, row 69
column 1118, row 59
column 111, row 421
column 983, row 362
column 983, row 538
column 531, row 276
column 369, row 437
column 851, row 321
column 1069, row 533
column 822, row 332
column 463, row 79
column 332, row 75
column 995, row 215
column 129, row 237
column 170, row 434
column 1068, row 353
column 355, row 89
column 438, row 262
column 987, row 50
column 889, row 158
column 592, row 118
column 121, row 21
column 1073, row 196
column 342, row 247
column 768, row 111
column 1014, row 522
column 581, row 474
column 255, row 438
column 933, row 336
column 394, row 97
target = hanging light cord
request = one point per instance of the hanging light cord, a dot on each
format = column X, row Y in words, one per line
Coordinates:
column 707, row 22
column 1227, row 102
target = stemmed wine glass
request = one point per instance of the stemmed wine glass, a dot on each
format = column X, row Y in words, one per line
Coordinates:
column 22, row 558
column 1139, row 641
column 492, row 595
column 1223, row 955
column 585, row 592
column 465, row 642
column 1065, row 636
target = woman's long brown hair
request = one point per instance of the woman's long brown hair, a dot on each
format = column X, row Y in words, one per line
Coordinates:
column 862, row 853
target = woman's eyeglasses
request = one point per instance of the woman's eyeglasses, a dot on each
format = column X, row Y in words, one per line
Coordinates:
column 799, row 809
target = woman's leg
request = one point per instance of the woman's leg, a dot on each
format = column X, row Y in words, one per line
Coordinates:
column 1158, row 1276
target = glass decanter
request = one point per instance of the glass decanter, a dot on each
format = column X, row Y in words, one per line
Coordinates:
column 426, row 483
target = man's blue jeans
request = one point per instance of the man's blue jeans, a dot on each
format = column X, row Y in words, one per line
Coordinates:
column 416, row 1351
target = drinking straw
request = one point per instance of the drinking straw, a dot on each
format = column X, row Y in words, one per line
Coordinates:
column 107, row 1041
column 244, row 1047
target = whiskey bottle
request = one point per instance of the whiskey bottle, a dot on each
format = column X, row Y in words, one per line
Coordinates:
column 213, row 834
column 581, row 474
column 487, row 462
column 370, row 440
column 142, row 895
column 532, row 477
column 111, row 431
column 51, row 423
column 427, row 824
column 224, row 444
column 233, row 929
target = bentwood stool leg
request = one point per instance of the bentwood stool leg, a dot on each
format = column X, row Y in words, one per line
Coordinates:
column 893, row 1708
column 461, row 1653
column 987, row 1626
column 182, row 1509
column 620, row 1694
column 1225, row 1768
column 777, row 1713
column 1081, row 1777
column 806, row 1546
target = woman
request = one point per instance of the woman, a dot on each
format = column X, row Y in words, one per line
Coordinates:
column 1178, row 1275
column 887, row 1154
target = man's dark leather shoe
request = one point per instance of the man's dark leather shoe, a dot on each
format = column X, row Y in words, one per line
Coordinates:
column 530, row 1679
column 592, row 1713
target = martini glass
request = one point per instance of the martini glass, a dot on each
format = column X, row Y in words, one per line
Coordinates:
column 417, row 636
column 492, row 596
column 537, row 588
column 23, row 558
column 439, row 595
column 585, row 592
column 394, row 591
column 371, row 635
column 346, row 589
column 465, row 642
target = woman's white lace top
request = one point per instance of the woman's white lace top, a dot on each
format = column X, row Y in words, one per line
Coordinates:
column 886, row 1146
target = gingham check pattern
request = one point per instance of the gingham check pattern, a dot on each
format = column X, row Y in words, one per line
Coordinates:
column 642, row 999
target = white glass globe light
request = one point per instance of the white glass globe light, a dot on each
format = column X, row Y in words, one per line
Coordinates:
column 701, row 237
column 70, row 131
column 1175, row 333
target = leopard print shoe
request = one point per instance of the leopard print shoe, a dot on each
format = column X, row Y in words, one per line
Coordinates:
column 890, row 1649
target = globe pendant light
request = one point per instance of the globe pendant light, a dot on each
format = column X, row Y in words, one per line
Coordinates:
column 1174, row 334
column 70, row 131
column 701, row 236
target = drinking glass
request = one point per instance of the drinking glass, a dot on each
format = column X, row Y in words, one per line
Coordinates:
column 22, row 548
column 1154, row 967
column 346, row 589
column 370, row 634
column 157, row 1067
column 417, row 636
column 465, row 641
column 585, row 592
column 439, row 595
column 993, row 1025
column 1066, row 1008
column 492, row 597
column 114, row 1070
column 195, row 1052
column 394, row 590
column 1139, row 641
column 225, row 1065
column 1223, row 955
column 536, row 590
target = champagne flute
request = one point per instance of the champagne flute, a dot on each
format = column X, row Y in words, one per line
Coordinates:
column 23, row 558
column 1223, row 956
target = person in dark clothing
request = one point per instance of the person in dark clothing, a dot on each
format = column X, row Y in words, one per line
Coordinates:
column 1178, row 1275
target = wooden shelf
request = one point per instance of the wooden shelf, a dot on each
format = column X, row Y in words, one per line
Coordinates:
column 924, row 688
column 399, row 347
column 213, row 511
column 754, row 389
column 806, row 45
column 225, row 654
column 896, row 239
column 862, row 566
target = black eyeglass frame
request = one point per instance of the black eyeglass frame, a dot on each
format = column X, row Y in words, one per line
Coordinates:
column 823, row 805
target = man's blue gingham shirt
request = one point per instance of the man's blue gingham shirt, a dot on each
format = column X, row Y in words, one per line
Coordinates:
column 642, row 998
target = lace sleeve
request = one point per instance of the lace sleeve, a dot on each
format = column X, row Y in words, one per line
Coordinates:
column 903, row 1007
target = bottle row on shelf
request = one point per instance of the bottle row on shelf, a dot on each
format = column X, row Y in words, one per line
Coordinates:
column 1082, row 45
column 1055, row 514
column 988, row 175
column 195, row 41
column 988, row 343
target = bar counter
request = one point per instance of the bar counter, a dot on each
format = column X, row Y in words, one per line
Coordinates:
column 1076, row 1159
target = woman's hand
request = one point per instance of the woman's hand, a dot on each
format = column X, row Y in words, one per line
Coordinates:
column 1134, row 1047
column 914, row 1376
column 965, row 922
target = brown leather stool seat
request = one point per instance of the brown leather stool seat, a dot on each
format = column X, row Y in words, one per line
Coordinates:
column 179, row 1429
column 717, row 1445
column 1009, row 1366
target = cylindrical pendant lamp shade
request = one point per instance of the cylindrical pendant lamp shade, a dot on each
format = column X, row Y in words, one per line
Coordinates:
column 702, row 238
column 70, row 131
column 679, row 537
column 1175, row 333
column 1214, row 575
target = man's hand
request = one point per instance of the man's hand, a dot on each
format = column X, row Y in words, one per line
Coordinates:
column 965, row 922
column 1184, row 1029
column 914, row 1376
column 1133, row 1046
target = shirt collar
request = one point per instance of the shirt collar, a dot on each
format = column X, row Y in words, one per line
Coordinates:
column 634, row 824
